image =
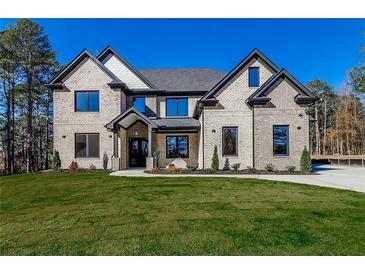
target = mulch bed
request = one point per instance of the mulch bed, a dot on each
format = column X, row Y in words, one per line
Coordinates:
column 227, row 172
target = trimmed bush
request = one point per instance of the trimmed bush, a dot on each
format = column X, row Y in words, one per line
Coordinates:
column 191, row 167
column 269, row 167
column 73, row 166
column 215, row 159
column 226, row 165
column 291, row 169
column 251, row 169
column 56, row 160
column 236, row 166
column 305, row 160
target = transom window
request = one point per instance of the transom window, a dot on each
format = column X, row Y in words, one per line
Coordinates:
column 229, row 142
column 281, row 140
column 254, row 77
column 87, row 145
column 177, row 146
column 176, row 106
column 87, row 101
column 139, row 103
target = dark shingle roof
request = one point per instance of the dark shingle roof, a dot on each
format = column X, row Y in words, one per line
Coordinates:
column 195, row 79
column 176, row 123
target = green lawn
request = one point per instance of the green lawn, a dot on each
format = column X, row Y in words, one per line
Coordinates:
column 97, row 214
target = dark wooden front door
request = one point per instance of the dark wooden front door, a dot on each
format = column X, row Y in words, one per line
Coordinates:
column 138, row 151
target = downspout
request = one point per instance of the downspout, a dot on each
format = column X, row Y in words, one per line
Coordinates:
column 203, row 135
column 253, row 137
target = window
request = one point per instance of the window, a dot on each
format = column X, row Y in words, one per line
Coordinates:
column 87, row 145
column 177, row 107
column 253, row 77
column 281, row 140
column 177, row 146
column 87, row 101
column 229, row 142
column 139, row 103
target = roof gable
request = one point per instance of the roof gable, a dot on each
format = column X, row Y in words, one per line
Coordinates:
column 77, row 60
column 304, row 94
column 109, row 50
column 254, row 54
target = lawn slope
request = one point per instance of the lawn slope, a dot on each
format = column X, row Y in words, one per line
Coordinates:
column 97, row 214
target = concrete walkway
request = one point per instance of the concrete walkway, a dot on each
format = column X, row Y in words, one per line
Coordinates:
column 344, row 177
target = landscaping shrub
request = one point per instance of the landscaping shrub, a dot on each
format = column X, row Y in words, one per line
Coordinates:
column 56, row 160
column 236, row 166
column 105, row 161
column 215, row 159
column 305, row 160
column 173, row 169
column 154, row 170
column 269, row 167
column 210, row 171
column 73, row 166
column 291, row 169
column 191, row 167
column 92, row 167
column 251, row 169
column 226, row 165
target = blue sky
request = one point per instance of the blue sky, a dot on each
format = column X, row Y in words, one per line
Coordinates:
column 308, row 48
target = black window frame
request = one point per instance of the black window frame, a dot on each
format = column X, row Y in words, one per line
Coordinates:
column 177, row 106
column 88, row 100
column 258, row 77
column 87, row 152
column 230, row 127
column 287, row 144
column 177, row 146
column 138, row 97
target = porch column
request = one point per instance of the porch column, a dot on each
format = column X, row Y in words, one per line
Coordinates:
column 149, row 141
column 115, row 144
column 149, row 159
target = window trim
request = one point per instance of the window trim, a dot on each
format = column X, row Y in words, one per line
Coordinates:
column 87, row 142
column 75, row 101
column 230, row 155
column 177, row 146
column 177, row 110
column 273, row 142
column 258, row 77
column 136, row 97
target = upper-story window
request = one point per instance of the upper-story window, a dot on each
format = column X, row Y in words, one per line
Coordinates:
column 176, row 106
column 87, row 101
column 281, row 140
column 139, row 103
column 253, row 77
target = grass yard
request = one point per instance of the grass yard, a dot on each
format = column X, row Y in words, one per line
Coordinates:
column 96, row 214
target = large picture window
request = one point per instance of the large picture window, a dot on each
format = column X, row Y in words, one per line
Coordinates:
column 87, row 145
column 176, row 106
column 281, row 140
column 229, row 143
column 87, row 101
column 177, row 146
column 139, row 103
column 253, row 77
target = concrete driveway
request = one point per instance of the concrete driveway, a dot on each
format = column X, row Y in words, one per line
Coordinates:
column 344, row 177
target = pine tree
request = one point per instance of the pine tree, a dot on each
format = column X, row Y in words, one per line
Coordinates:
column 215, row 159
column 226, row 165
column 305, row 161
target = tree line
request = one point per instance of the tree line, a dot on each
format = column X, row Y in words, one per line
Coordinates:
column 28, row 62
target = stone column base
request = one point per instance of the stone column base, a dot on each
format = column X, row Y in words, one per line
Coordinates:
column 149, row 163
column 115, row 163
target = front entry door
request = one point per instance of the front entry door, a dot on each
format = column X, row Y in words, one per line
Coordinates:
column 138, row 151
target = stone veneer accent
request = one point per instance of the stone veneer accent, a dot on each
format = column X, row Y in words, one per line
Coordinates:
column 159, row 144
column 281, row 110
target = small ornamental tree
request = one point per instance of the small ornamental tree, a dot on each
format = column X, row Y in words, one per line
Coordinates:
column 56, row 160
column 226, row 165
column 105, row 161
column 215, row 159
column 305, row 161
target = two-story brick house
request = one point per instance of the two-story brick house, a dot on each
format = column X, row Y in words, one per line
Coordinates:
column 255, row 114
